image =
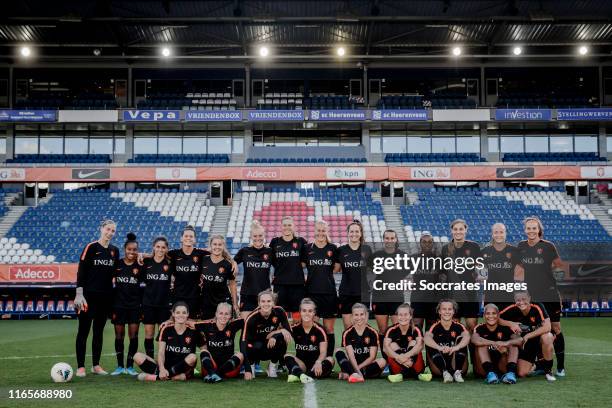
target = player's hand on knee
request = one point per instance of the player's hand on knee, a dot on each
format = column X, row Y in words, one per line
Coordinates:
column 271, row 342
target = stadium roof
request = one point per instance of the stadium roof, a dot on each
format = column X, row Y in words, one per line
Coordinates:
column 368, row 29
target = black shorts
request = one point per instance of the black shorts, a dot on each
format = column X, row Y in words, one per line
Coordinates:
column 290, row 296
column 424, row 310
column 327, row 305
column 531, row 350
column 126, row 316
column 155, row 315
column 208, row 309
column 554, row 310
column 248, row 303
column 468, row 310
column 385, row 308
column 99, row 305
column 346, row 303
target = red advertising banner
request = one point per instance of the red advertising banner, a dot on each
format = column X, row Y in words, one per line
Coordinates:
column 53, row 273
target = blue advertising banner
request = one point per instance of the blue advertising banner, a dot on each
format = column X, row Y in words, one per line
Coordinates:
column 213, row 116
column 523, row 114
column 275, row 115
column 28, row 116
column 337, row 115
column 585, row 114
column 151, row 115
column 404, row 115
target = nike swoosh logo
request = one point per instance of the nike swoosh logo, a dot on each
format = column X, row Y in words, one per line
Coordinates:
column 85, row 175
column 506, row 173
column 583, row 272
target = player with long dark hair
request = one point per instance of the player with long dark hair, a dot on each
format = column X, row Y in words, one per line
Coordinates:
column 353, row 258
column 156, row 296
column 94, row 294
column 126, row 305
column 176, row 357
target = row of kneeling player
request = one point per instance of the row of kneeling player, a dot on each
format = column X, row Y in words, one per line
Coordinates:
column 507, row 344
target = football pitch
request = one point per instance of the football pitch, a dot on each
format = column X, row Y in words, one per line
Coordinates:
column 29, row 348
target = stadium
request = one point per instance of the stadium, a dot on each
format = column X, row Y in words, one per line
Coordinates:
column 298, row 133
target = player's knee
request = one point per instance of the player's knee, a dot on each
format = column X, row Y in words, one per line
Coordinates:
column 139, row 358
column 547, row 339
column 381, row 362
column 331, row 360
column 240, row 356
column 191, row 359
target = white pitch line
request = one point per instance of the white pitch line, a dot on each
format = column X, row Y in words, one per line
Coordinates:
column 310, row 395
column 590, row 354
column 53, row 356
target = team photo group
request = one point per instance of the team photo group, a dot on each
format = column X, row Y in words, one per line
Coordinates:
column 197, row 324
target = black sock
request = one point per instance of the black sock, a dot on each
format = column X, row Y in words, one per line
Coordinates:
column 472, row 351
column 230, row 365
column 292, row 366
column 559, row 344
column 132, row 349
column 331, row 344
column 372, row 370
column 439, row 360
column 460, row 357
column 511, row 367
column 179, row 368
column 119, row 352
column 487, row 366
column 344, row 363
column 149, row 347
column 208, row 367
column 381, row 340
column 547, row 366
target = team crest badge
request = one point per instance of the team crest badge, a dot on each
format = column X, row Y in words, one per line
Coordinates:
column 329, row 253
column 409, row 339
column 453, row 334
column 532, row 319
column 540, row 250
column 294, row 245
column 508, row 255
column 187, row 340
column 313, row 338
column 467, row 252
column 274, row 319
column 221, row 270
column 196, row 259
column 228, row 333
column 135, row 271
column 165, row 268
column 366, row 340
column 499, row 335
column 112, row 252
column 265, row 257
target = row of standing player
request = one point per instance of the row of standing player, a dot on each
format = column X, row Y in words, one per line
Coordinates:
column 203, row 279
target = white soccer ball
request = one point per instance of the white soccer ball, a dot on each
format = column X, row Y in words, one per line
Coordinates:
column 61, row 372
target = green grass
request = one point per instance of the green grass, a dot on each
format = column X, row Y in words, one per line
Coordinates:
column 588, row 383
